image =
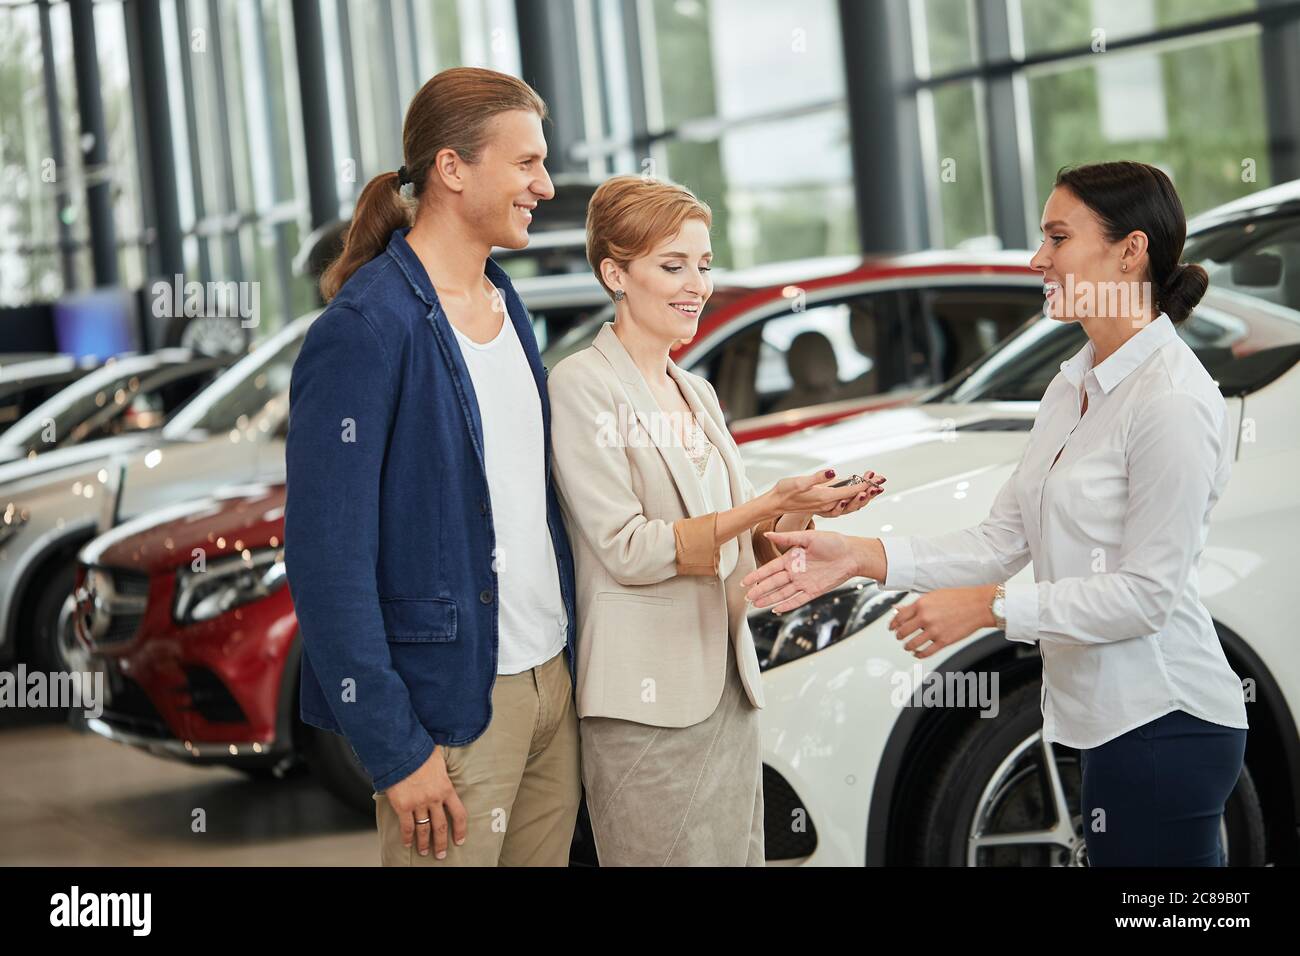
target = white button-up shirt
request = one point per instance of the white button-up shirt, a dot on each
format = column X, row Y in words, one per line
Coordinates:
column 1115, row 530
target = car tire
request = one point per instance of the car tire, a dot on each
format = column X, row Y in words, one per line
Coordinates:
column 44, row 650
column 993, row 782
column 335, row 766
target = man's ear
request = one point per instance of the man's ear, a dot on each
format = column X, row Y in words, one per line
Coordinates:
column 449, row 169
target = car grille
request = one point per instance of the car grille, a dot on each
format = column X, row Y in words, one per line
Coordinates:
column 113, row 605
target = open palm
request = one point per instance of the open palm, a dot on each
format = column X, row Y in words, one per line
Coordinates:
column 815, row 562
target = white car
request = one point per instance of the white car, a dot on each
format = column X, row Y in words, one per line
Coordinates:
column 858, row 769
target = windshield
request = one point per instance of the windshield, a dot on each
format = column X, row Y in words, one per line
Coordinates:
column 136, row 399
column 251, row 390
column 1246, row 331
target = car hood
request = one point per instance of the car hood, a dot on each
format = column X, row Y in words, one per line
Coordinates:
column 18, row 474
column 228, row 521
column 914, row 447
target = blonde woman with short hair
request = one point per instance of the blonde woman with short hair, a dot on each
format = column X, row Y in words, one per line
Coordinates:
column 665, row 525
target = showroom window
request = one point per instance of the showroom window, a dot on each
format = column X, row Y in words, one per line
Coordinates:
column 27, row 270
column 1181, row 85
column 1195, row 109
column 235, row 121
column 1051, row 25
column 44, row 233
column 740, row 100
column 414, row 39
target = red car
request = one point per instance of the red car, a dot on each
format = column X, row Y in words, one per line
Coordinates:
column 186, row 613
column 806, row 343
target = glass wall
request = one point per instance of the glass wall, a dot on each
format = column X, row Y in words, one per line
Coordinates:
column 1176, row 83
column 744, row 101
column 234, row 119
column 740, row 100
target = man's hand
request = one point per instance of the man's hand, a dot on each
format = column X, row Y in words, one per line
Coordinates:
column 428, row 795
column 816, row 562
column 935, row 620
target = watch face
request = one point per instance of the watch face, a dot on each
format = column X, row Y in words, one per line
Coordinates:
column 1000, row 608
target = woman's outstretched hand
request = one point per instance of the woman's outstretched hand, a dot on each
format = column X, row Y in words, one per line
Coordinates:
column 817, row 494
column 815, row 562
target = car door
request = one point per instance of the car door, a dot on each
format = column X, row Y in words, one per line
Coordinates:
column 781, row 369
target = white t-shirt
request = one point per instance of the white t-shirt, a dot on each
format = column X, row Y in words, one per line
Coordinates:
column 531, row 623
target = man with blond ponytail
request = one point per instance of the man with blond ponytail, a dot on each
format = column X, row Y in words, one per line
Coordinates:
column 426, row 555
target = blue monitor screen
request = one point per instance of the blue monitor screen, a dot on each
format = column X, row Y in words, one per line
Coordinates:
column 96, row 324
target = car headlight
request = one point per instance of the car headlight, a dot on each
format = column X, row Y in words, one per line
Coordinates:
column 227, row 583
column 781, row 638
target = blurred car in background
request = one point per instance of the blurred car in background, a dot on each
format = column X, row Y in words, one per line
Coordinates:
column 186, row 613
column 792, row 345
column 27, row 379
column 559, row 303
column 127, row 395
column 56, row 503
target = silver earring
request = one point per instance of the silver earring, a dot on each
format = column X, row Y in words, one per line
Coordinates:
column 1124, row 267
column 619, row 295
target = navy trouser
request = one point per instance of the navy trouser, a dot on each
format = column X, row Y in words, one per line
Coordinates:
column 1154, row 796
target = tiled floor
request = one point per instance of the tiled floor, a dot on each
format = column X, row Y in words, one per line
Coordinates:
column 68, row 799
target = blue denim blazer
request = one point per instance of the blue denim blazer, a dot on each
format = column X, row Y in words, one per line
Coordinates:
column 388, row 523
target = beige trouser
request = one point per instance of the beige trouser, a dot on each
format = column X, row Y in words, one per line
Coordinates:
column 519, row 781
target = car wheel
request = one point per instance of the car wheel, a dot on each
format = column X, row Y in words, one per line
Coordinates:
column 336, row 767
column 1005, row 797
column 52, row 646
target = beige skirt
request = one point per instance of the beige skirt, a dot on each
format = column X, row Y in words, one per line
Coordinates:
column 677, row 796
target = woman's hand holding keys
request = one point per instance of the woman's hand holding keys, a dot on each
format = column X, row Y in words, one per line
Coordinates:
column 820, row 494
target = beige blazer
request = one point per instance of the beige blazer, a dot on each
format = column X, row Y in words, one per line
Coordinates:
column 653, row 610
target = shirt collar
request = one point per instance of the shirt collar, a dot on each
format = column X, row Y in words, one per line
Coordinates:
column 1123, row 360
column 413, row 269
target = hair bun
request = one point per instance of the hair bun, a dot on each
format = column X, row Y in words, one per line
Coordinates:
column 1182, row 290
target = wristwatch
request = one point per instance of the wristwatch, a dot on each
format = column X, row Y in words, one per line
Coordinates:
column 999, row 606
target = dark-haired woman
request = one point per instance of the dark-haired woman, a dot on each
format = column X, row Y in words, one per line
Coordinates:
column 1111, row 502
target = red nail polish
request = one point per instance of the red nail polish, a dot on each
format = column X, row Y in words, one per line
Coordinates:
column 830, row 472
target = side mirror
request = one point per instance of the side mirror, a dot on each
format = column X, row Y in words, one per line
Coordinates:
column 1258, row 269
